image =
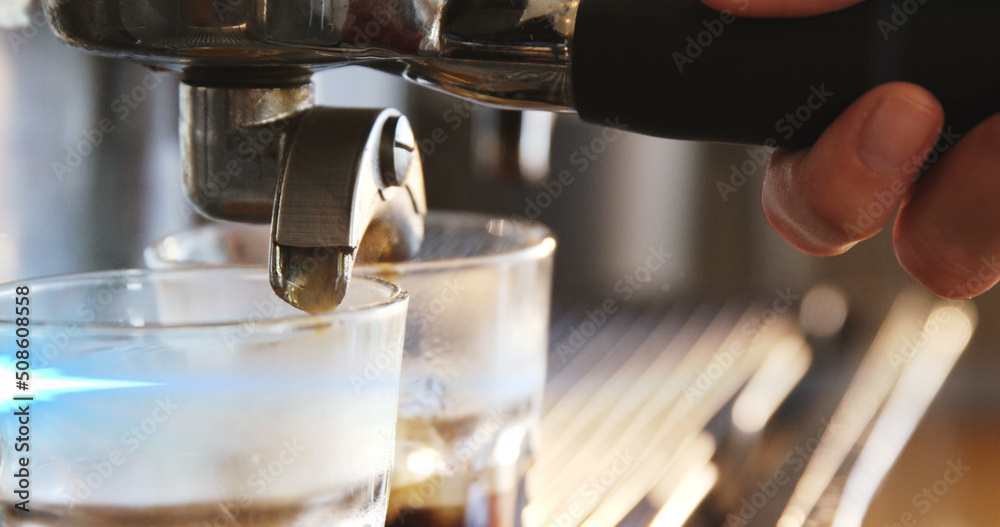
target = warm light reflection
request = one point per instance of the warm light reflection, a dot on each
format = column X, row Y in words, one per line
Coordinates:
column 792, row 517
column 535, row 146
column 509, row 445
column 423, row 462
column 781, row 371
column 690, row 492
column 535, row 514
column 948, row 332
column 824, row 311
column 872, row 383
column 903, row 372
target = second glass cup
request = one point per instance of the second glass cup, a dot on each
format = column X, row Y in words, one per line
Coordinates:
column 474, row 359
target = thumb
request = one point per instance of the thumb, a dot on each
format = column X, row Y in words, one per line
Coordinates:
column 779, row 8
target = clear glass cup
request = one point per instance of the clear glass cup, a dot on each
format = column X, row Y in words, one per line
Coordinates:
column 474, row 360
column 195, row 397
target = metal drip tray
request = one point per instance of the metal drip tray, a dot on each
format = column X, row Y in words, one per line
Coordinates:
column 672, row 415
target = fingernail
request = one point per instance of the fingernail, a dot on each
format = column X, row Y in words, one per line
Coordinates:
column 898, row 133
column 947, row 271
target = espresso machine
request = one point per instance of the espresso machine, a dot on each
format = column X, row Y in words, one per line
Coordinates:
column 256, row 149
column 248, row 125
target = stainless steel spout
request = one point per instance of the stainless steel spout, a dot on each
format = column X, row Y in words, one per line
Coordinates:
column 351, row 175
column 324, row 178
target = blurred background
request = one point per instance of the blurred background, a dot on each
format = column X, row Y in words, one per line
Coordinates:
column 653, row 234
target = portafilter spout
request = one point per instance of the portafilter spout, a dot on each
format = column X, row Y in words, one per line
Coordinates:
column 352, row 175
column 337, row 185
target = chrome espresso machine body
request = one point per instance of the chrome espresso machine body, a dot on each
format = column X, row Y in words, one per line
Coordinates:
column 249, row 126
column 255, row 149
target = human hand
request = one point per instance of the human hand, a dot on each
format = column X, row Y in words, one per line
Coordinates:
column 947, row 233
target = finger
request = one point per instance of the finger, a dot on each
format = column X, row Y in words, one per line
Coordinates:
column 779, row 8
column 849, row 185
column 948, row 234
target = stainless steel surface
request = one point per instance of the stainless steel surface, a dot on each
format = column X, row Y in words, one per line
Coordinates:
column 90, row 170
column 234, row 146
column 516, row 54
column 626, row 415
column 651, row 365
column 352, row 175
column 916, row 373
column 512, row 146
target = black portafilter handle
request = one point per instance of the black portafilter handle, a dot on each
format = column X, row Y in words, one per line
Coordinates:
column 678, row 69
